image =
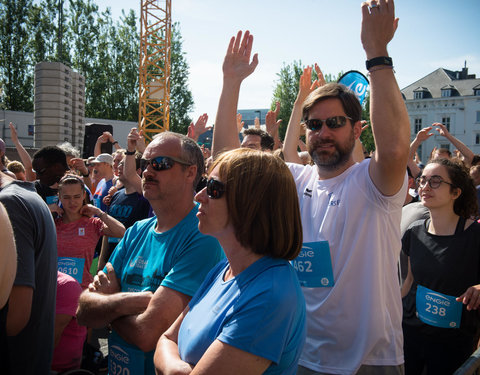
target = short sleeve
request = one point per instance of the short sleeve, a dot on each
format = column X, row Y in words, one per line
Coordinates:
column 191, row 268
column 68, row 293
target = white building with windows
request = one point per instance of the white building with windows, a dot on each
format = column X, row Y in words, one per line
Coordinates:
column 449, row 97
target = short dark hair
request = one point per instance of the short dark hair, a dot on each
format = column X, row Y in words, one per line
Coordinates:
column 262, row 202
column 52, row 155
column 347, row 97
column 266, row 140
column 466, row 205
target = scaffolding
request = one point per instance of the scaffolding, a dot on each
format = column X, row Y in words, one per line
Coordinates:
column 154, row 69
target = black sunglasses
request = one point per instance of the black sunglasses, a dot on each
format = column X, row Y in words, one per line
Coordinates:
column 215, row 188
column 161, row 163
column 434, row 182
column 331, row 122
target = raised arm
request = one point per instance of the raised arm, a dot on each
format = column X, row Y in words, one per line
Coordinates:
column 236, row 67
column 388, row 114
column 421, row 137
column 129, row 167
column 272, row 125
column 294, row 125
column 112, row 227
column 200, row 127
column 23, row 154
column 464, row 150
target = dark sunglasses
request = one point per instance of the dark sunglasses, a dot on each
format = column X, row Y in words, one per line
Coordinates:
column 434, row 182
column 215, row 188
column 161, row 163
column 331, row 122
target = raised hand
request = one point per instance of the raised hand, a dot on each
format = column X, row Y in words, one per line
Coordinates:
column 424, row 134
column 132, row 138
column 257, row 123
column 13, row 133
column 237, row 65
column 240, row 123
column 441, row 129
column 378, row 26
column 271, row 122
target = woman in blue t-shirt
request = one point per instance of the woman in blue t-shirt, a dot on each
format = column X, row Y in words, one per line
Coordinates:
column 442, row 292
column 248, row 317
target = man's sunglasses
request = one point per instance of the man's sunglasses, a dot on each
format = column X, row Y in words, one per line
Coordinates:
column 161, row 163
column 434, row 182
column 331, row 122
column 215, row 188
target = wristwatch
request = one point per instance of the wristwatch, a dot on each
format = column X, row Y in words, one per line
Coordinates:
column 382, row 60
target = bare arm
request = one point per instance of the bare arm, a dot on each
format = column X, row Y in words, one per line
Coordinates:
column 112, row 227
column 294, row 125
column 61, row 321
column 407, row 284
column 23, row 154
column 421, row 137
column 8, row 257
column 236, row 67
column 272, row 125
column 103, row 302
column 197, row 129
column 464, row 150
column 144, row 330
column 388, row 114
column 220, row 358
column 104, row 253
column 129, row 167
column 19, row 309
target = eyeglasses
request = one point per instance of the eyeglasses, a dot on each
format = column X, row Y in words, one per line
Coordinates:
column 331, row 122
column 161, row 163
column 215, row 188
column 434, row 182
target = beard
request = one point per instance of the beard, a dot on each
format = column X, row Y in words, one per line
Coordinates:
column 329, row 160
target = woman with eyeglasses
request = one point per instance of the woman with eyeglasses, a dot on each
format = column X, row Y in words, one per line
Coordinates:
column 248, row 317
column 442, row 290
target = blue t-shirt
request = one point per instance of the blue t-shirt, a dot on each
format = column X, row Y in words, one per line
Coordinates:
column 144, row 260
column 260, row 311
column 100, row 192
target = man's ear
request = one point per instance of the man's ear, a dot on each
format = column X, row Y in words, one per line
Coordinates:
column 191, row 172
column 357, row 129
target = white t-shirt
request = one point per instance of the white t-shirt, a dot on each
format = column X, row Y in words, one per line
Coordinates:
column 358, row 320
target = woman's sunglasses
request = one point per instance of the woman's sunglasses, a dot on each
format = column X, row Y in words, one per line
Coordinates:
column 215, row 188
column 331, row 122
column 161, row 163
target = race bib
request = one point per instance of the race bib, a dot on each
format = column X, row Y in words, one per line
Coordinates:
column 52, row 199
column 123, row 360
column 314, row 265
column 81, row 231
column 72, row 267
column 437, row 309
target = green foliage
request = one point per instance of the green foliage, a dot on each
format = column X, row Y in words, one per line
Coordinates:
column 105, row 52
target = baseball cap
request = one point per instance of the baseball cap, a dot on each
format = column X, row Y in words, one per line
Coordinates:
column 103, row 158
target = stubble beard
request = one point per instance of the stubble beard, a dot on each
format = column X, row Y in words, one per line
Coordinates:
column 332, row 161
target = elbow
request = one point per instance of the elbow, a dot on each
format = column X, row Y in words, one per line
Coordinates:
column 146, row 342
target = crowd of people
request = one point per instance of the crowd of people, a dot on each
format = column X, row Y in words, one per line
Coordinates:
column 255, row 256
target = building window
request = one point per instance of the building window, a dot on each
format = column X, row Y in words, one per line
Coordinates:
column 418, row 125
column 478, row 116
column 418, row 95
column 477, row 139
column 446, row 122
column 445, row 146
column 476, row 92
column 446, row 93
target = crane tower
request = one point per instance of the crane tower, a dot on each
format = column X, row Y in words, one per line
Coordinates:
column 154, row 69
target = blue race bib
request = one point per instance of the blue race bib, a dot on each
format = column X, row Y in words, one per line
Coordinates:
column 72, row 267
column 52, row 199
column 314, row 265
column 437, row 309
column 124, row 360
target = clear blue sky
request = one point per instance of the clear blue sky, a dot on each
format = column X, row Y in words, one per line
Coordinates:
column 431, row 34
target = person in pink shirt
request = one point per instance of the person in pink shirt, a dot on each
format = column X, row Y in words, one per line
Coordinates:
column 78, row 231
column 69, row 336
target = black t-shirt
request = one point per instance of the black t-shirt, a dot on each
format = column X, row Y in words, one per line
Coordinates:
column 445, row 264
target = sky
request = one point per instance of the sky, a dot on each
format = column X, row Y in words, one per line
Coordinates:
column 431, row 34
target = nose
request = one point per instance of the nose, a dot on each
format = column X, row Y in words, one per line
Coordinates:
column 201, row 196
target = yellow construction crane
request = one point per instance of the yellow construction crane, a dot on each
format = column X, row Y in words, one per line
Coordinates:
column 154, row 70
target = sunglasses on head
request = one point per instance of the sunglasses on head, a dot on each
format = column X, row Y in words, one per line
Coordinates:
column 215, row 188
column 331, row 122
column 434, row 182
column 161, row 163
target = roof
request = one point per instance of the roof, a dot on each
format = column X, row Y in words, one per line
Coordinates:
column 442, row 78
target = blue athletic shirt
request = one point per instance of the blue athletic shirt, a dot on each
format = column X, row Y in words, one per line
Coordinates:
column 260, row 311
column 178, row 259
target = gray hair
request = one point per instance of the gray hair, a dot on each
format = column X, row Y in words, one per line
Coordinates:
column 69, row 150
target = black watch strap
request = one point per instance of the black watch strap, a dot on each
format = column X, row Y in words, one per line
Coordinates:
column 382, row 60
column 130, row 152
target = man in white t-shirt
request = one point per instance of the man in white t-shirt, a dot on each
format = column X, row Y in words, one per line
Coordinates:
column 350, row 211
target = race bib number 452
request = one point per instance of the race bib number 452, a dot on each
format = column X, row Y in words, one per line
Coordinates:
column 314, row 265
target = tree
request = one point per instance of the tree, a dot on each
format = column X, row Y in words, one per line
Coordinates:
column 16, row 73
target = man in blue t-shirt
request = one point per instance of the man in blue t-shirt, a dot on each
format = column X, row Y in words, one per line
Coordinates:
column 103, row 171
column 159, row 264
